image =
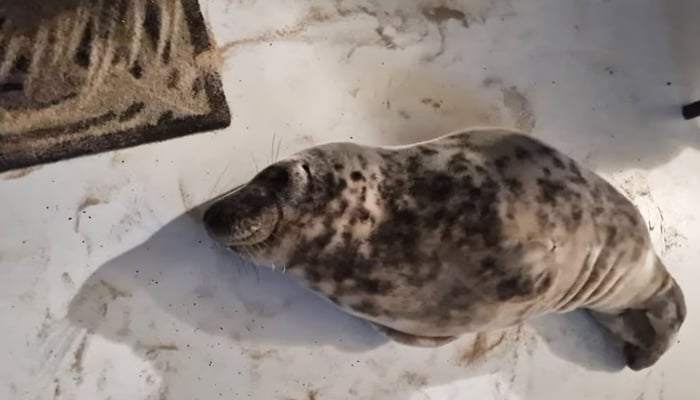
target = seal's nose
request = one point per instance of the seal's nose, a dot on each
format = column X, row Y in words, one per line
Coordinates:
column 216, row 221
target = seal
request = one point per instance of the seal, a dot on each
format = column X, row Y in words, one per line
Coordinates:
column 473, row 231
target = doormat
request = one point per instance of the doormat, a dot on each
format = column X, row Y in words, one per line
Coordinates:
column 81, row 77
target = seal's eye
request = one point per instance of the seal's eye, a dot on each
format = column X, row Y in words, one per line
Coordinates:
column 276, row 176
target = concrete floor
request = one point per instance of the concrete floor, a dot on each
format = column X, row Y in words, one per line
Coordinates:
column 108, row 291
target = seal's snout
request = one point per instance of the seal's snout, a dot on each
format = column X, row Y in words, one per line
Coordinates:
column 246, row 217
column 217, row 221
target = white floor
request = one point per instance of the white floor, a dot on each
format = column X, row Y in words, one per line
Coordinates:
column 107, row 291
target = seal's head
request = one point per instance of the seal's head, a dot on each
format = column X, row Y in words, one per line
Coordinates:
column 262, row 218
column 251, row 216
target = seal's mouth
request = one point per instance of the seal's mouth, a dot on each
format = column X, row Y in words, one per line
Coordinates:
column 254, row 230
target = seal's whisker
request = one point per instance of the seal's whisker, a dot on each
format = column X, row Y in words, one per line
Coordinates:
column 218, row 180
column 255, row 163
column 272, row 149
column 277, row 153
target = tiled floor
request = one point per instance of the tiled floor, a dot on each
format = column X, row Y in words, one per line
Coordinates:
column 107, row 291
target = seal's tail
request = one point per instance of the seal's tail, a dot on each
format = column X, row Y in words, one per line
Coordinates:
column 648, row 329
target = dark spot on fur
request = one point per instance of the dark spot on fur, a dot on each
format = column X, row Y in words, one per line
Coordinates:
column 427, row 151
column 577, row 214
column 342, row 206
column 630, row 217
column 357, row 176
column 514, row 186
column 341, row 273
column 363, row 194
column 542, row 218
column 502, row 162
column 368, row 307
column 362, row 160
column 313, row 275
column 550, row 190
column 522, row 154
column 373, row 286
column 414, row 164
column 513, row 287
column 543, row 149
column 488, row 263
column 362, row 214
column 433, row 186
column 457, row 163
column 557, row 162
column 578, row 177
column 337, row 167
column 547, row 171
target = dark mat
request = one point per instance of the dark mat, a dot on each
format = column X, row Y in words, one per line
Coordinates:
column 81, row 77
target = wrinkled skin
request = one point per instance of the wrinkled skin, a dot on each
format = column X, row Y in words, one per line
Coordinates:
column 472, row 231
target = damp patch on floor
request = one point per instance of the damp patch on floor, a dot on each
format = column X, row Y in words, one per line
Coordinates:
column 81, row 77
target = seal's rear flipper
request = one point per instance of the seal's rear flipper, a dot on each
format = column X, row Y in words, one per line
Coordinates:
column 413, row 340
column 648, row 329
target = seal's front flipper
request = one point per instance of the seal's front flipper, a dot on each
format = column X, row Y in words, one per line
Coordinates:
column 413, row 340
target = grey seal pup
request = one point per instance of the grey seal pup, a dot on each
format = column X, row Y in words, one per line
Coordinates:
column 473, row 231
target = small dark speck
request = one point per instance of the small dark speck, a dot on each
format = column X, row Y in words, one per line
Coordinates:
column 668, row 83
column 70, row 218
column 24, row 242
column 122, row 161
column 210, row 363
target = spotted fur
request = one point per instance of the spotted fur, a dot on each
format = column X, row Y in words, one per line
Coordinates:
column 472, row 231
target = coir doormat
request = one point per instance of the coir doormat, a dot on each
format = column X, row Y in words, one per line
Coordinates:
column 81, row 77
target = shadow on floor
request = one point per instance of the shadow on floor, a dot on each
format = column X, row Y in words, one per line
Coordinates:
column 180, row 302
